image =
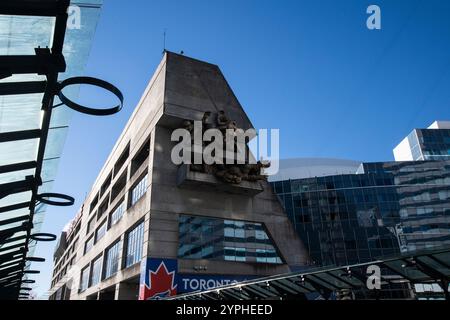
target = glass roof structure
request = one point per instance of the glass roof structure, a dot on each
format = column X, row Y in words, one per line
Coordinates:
column 421, row 268
column 41, row 44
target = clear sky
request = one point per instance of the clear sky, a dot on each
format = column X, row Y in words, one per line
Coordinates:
column 310, row 68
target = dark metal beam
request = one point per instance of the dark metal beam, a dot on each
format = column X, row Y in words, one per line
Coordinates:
column 14, row 239
column 18, row 167
column 38, row 64
column 13, row 220
column 14, row 263
column 17, row 246
column 33, row 7
column 20, row 135
column 13, row 88
column 9, row 256
column 17, row 187
column 10, row 270
column 13, row 207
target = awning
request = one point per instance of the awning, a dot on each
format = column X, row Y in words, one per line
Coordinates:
column 42, row 45
column 423, row 268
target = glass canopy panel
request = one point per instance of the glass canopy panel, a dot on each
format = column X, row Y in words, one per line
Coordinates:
column 444, row 258
column 18, row 151
column 409, row 272
column 335, row 282
column 292, row 284
column 14, row 199
column 344, row 276
column 20, row 35
column 16, row 175
column 20, row 112
column 56, row 139
column 435, row 265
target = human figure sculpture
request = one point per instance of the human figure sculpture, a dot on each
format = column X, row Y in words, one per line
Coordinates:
column 222, row 121
column 229, row 173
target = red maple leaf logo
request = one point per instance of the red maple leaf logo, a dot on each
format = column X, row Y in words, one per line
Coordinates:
column 161, row 284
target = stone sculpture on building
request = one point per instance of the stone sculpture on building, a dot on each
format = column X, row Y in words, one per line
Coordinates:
column 231, row 173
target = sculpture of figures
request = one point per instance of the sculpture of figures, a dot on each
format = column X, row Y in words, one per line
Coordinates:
column 205, row 121
column 222, row 120
column 188, row 125
column 232, row 125
column 229, row 173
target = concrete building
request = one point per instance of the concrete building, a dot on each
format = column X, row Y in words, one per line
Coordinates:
column 426, row 144
column 150, row 229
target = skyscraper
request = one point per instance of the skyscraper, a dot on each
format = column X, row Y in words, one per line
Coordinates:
column 426, row 144
column 383, row 210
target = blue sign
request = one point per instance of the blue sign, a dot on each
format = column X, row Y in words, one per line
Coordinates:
column 160, row 279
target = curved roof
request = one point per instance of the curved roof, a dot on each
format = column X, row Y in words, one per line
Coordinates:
column 300, row 168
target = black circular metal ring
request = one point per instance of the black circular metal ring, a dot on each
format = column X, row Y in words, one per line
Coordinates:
column 94, row 82
column 44, row 198
column 26, row 289
column 28, row 281
column 31, row 272
column 43, row 237
column 34, row 259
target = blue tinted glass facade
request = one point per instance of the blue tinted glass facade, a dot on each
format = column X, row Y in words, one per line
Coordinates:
column 435, row 144
column 387, row 209
column 229, row 240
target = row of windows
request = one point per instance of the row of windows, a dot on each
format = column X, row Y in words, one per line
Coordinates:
column 136, row 163
column 229, row 240
column 91, row 275
column 137, row 193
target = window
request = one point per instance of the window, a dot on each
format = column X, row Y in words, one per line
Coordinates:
column 119, row 186
column 94, row 203
column 103, row 208
column 444, row 195
column 230, row 240
column 96, row 271
column 106, row 185
column 112, row 260
column 267, row 256
column 234, row 254
column 90, row 225
column 135, row 241
column 117, row 214
column 88, row 245
column 140, row 158
column 84, row 279
column 120, row 162
column 139, row 190
column 101, row 231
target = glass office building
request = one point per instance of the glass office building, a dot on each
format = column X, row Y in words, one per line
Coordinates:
column 426, row 144
column 382, row 210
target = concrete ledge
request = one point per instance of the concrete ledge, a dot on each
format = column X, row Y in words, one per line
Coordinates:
column 187, row 178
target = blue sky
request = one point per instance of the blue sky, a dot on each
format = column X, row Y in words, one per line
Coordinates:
column 310, row 68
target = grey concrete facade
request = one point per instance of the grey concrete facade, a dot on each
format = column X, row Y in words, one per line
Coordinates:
column 181, row 88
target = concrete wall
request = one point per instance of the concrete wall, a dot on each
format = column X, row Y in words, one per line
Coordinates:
column 181, row 88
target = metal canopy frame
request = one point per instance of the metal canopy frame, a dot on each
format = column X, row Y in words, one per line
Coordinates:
column 47, row 62
column 419, row 268
column 16, row 234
